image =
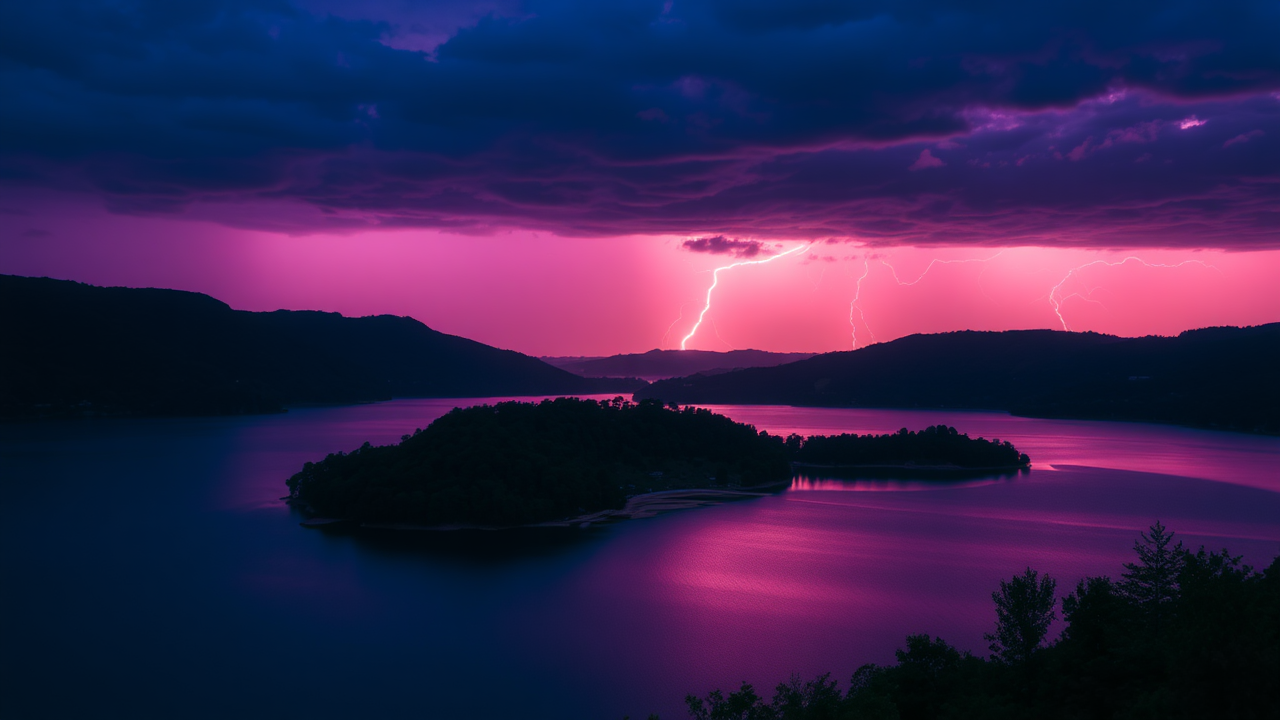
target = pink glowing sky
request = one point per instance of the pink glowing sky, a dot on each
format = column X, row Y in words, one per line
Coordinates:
column 561, row 176
column 543, row 294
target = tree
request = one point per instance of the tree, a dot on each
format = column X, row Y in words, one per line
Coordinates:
column 1024, row 610
column 1152, row 582
column 741, row 704
column 925, row 676
column 817, row 699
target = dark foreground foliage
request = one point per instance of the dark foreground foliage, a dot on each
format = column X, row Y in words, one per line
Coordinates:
column 1180, row 635
column 514, row 463
column 932, row 446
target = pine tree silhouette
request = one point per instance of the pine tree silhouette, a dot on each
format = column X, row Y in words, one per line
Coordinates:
column 1152, row 582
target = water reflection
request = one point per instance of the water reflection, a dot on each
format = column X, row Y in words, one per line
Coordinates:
column 1252, row 460
column 466, row 547
column 159, row 549
column 807, row 483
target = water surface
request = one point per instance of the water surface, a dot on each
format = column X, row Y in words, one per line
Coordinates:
column 149, row 569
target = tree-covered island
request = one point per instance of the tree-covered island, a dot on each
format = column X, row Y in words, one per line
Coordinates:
column 517, row 463
column 937, row 446
column 572, row 460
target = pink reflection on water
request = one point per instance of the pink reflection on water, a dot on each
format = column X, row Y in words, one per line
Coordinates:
column 1251, row 460
column 267, row 452
column 805, row 483
column 272, row 450
column 823, row 577
column 820, row 578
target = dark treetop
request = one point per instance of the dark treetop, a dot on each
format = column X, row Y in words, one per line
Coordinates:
column 77, row 349
column 515, row 463
column 1216, row 377
column 940, row 445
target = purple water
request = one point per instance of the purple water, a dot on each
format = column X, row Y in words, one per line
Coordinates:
column 149, row 569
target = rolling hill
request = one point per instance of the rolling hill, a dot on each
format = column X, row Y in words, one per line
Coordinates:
column 76, row 349
column 1223, row 377
column 662, row 364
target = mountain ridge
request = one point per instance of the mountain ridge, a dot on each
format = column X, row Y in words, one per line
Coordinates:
column 1219, row 377
column 77, row 349
column 659, row 364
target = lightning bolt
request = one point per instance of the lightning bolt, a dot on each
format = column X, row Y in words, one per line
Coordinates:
column 673, row 324
column 853, row 305
column 818, row 284
column 715, row 280
column 717, row 331
column 1056, row 299
column 866, row 270
column 936, row 262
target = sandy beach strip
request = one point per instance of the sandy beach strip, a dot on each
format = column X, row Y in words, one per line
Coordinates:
column 638, row 506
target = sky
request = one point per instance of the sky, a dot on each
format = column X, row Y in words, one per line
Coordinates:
column 563, row 177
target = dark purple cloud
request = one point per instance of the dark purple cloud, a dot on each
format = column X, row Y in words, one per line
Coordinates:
column 1152, row 123
column 721, row 245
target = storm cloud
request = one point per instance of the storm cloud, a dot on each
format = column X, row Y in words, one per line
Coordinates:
column 927, row 123
column 721, row 245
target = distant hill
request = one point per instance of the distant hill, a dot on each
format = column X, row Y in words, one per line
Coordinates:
column 661, row 364
column 1217, row 377
column 74, row 349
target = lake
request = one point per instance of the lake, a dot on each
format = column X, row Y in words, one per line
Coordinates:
column 148, row 568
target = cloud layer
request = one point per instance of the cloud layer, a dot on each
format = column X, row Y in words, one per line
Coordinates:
column 919, row 122
column 721, row 245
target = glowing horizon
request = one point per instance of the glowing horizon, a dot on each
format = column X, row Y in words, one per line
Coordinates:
column 549, row 295
column 950, row 167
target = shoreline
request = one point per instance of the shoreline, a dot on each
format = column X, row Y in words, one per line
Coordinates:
column 913, row 467
column 20, row 418
column 648, row 505
column 651, row 504
column 637, row 507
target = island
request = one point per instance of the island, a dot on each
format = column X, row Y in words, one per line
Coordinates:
column 574, row 462
column 936, row 451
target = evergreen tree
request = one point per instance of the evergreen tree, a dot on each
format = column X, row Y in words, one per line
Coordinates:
column 1024, row 610
column 1152, row 582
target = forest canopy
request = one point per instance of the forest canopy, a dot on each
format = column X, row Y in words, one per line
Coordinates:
column 937, row 445
column 516, row 463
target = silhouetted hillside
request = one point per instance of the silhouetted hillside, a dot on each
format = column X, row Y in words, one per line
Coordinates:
column 661, row 364
column 71, row 348
column 1216, row 377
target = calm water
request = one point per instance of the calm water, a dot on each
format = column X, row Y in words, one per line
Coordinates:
column 149, row 569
